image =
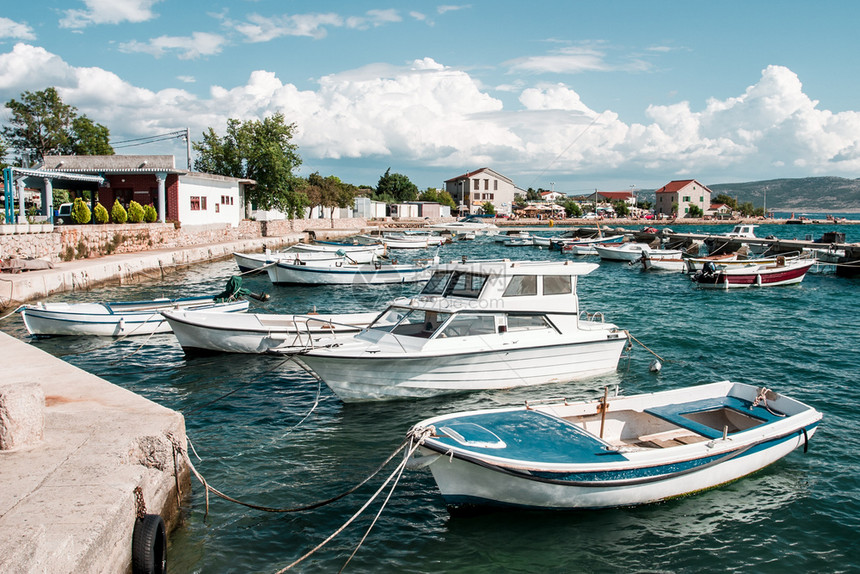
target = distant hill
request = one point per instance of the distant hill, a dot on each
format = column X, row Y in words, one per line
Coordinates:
column 812, row 194
column 809, row 194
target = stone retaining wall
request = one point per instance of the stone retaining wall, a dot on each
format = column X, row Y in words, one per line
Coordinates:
column 69, row 242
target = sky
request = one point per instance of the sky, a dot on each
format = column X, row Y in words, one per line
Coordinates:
column 565, row 95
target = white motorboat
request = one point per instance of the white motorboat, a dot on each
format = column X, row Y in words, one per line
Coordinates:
column 116, row 319
column 406, row 241
column 475, row 325
column 610, row 452
column 201, row 332
column 476, row 225
column 728, row 261
column 506, row 236
column 377, row 248
column 622, row 252
column 569, row 239
column 343, row 273
column 541, row 241
column 663, row 260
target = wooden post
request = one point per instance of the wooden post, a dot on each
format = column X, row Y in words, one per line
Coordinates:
column 603, row 409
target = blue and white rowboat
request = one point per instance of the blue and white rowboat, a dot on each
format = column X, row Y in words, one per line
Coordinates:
column 634, row 450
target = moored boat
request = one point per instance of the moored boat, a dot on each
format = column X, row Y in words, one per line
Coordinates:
column 782, row 272
column 613, row 452
column 115, row 319
column 475, row 325
column 624, row 252
column 201, row 332
column 343, row 273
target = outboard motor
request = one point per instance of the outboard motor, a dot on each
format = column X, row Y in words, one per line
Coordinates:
column 234, row 290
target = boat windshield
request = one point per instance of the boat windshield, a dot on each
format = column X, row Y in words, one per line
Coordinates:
column 410, row 322
column 455, row 283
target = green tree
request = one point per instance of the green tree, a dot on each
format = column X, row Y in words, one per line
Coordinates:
column 118, row 214
column 533, row 195
column 149, row 213
column 329, row 192
column 621, row 208
column 262, row 151
column 4, row 149
column 100, row 214
column 89, row 138
column 438, row 196
column 694, row 210
column 572, row 208
column 727, row 200
column 135, row 212
column 80, row 212
column 488, row 208
column 397, row 187
column 43, row 124
column 520, row 201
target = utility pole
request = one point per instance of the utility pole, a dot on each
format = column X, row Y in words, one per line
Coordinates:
column 188, row 146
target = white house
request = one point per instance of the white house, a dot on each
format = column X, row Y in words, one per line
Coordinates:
column 472, row 190
column 680, row 195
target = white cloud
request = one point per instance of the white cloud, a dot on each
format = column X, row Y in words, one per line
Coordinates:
column 569, row 60
column 15, row 30
column 259, row 28
column 109, row 12
column 426, row 114
column 188, row 48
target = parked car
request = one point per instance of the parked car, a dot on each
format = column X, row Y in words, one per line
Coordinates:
column 63, row 214
column 590, row 215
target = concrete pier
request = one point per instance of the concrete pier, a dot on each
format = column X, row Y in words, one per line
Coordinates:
column 67, row 502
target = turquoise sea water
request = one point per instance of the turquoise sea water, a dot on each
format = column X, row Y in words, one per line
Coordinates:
column 254, row 423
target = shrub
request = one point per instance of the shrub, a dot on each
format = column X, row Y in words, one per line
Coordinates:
column 135, row 212
column 149, row 214
column 118, row 213
column 80, row 212
column 100, row 213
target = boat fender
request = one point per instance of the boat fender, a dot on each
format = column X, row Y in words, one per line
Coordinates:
column 805, row 441
column 655, row 366
column 149, row 545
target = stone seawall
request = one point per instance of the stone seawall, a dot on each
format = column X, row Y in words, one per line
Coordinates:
column 67, row 502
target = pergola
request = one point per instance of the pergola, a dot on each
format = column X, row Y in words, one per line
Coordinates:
column 19, row 178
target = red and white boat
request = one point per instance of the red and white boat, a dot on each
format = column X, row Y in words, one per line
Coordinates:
column 782, row 272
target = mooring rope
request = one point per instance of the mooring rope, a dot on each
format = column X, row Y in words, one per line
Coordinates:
column 644, row 346
column 311, row 506
column 397, row 471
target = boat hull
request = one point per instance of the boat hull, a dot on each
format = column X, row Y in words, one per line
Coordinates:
column 759, row 277
column 611, row 452
column 283, row 273
column 374, row 377
column 206, row 333
column 52, row 322
column 465, row 484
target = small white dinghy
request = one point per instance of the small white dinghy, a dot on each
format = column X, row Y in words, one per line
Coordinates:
column 117, row 319
column 612, row 452
column 202, row 333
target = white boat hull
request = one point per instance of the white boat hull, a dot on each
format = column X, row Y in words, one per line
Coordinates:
column 199, row 332
column 374, row 377
column 368, row 274
column 92, row 321
column 463, row 483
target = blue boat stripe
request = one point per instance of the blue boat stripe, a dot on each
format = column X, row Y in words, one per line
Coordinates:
column 711, row 461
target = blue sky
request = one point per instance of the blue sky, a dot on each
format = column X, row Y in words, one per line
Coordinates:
column 569, row 95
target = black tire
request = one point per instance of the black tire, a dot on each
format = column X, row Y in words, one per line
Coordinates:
column 149, row 546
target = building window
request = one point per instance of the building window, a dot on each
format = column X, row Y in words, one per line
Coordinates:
column 491, row 196
column 486, row 184
column 203, row 203
column 476, row 184
column 495, row 185
column 195, row 204
column 686, row 198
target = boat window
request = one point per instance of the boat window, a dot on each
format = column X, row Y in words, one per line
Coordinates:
column 466, row 324
column 436, row 284
column 419, row 323
column 521, row 285
column 465, row 284
column 527, row 322
column 388, row 320
column 557, row 285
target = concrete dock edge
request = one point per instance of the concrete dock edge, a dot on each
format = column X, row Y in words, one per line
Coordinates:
column 67, row 502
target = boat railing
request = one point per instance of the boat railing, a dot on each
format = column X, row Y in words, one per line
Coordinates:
column 591, row 317
column 303, row 323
